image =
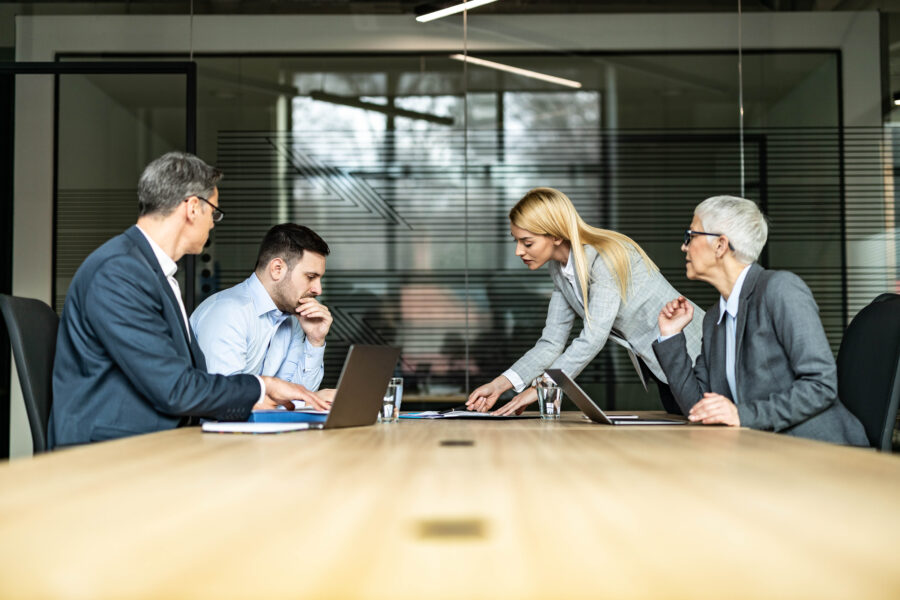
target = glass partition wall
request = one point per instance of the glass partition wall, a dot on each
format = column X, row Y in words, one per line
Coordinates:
column 109, row 126
column 645, row 138
column 408, row 160
column 371, row 152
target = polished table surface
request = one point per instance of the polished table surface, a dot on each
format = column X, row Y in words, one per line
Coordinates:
column 453, row 509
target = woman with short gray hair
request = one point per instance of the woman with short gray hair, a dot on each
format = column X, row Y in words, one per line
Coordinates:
column 764, row 361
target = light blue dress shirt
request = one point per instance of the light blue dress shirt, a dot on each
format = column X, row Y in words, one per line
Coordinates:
column 728, row 309
column 240, row 330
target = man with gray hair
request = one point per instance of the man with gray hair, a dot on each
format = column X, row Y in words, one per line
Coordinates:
column 126, row 360
column 764, row 362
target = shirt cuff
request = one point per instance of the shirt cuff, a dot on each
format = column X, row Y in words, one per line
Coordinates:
column 663, row 338
column 515, row 380
column 262, row 388
column 313, row 356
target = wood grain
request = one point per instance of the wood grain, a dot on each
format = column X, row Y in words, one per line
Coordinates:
column 530, row 510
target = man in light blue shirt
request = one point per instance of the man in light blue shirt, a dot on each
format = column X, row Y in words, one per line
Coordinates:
column 271, row 323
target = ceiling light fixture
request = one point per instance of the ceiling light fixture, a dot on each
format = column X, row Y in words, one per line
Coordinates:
column 393, row 111
column 452, row 10
column 516, row 70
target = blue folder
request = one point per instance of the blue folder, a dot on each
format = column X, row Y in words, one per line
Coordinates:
column 287, row 416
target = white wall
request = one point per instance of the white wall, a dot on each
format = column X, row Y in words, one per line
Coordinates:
column 32, row 218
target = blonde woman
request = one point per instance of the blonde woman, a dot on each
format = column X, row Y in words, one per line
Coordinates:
column 603, row 270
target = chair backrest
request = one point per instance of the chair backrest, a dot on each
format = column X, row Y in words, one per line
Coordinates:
column 868, row 366
column 32, row 329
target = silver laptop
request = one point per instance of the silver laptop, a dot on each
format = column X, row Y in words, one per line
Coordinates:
column 595, row 413
column 358, row 397
column 360, row 388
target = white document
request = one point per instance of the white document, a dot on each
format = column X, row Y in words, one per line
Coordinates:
column 244, row 427
column 451, row 414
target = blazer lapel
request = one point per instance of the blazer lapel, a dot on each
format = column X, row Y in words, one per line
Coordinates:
column 174, row 309
column 563, row 284
column 747, row 290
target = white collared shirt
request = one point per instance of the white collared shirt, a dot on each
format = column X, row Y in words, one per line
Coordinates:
column 731, row 305
column 568, row 271
column 169, row 268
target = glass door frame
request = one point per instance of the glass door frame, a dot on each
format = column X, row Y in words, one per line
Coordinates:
column 8, row 73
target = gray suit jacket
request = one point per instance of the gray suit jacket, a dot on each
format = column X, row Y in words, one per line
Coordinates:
column 635, row 320
column 785, row 374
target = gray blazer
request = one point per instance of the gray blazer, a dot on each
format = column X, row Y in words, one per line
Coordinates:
column 785, row 374
column 634, row 320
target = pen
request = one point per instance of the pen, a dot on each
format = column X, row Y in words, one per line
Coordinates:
column 455, row 408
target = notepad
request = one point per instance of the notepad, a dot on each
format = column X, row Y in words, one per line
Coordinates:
column 270, row 421
column 247, row 427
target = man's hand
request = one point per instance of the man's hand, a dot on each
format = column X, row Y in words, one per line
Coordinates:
column 326, row 398
column 517, row 405
column 270, row 404
column 484, row 397
column 675, row 316
column 283, row 393
column 315, row 320
column 715, row 408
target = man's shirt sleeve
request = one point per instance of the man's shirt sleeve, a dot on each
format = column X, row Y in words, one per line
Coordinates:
column 220, row 333
column 304, row 363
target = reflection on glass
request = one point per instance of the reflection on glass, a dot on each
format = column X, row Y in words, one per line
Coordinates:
column 110, row 127
column 646, row 138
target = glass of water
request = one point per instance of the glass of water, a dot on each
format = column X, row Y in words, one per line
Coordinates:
column 393, row 397
column 549, row 397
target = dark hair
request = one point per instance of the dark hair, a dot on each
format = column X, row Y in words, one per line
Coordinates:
column 171, row 178
column 289, row 241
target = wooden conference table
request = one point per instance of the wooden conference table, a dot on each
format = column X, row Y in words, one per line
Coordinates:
column 453, row 509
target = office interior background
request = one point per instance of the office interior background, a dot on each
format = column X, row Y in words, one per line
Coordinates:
column 354, row 119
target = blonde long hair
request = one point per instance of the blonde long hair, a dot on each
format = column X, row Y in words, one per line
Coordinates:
column 547, row 211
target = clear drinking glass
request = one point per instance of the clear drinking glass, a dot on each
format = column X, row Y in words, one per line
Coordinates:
column 397, row 382
column 549, row 397
column 393, row 397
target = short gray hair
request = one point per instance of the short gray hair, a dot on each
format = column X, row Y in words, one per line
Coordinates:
column 738, row 219
column 171, row 178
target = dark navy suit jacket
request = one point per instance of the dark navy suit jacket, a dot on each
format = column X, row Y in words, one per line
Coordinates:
column 124, row 365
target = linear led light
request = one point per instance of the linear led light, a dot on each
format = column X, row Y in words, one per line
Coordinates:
column 516, row 70
column 452, row 10
column 387, row 110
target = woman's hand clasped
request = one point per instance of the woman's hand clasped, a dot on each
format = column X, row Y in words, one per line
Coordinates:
column 675, row 316
column 714, row 409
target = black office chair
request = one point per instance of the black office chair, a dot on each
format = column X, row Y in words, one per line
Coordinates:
column 32, row 329
column 868, row 367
